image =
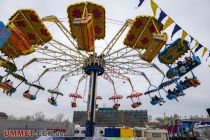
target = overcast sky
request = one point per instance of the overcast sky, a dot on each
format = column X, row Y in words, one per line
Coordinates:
column 191, row 15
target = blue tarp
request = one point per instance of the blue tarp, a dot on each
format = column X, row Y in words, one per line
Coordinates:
column 112, row 132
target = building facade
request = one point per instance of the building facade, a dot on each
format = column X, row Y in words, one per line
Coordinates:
column 108, row 117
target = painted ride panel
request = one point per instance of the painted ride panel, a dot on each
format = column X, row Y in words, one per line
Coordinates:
column 30, row 24
column 7, row 65
column 4, row 34
column 140, row 34
column 98, row 12
column 155, row 47
column 17, row 44
column 85, row 33
column 173, row 51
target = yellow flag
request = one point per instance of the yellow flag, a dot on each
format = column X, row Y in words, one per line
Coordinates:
column 196, row 44
column 184, row 34
column 168, row 23
column 204, row 51
column 154, row 7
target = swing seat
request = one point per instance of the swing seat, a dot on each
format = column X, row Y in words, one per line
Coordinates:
column 153, row 102
column 116, row 106
column 190, row 83
column 6, row 87
column 189, row 67
column 13, row 90
column 33, row 97
column 194, row 82
column 136, row 104
column 73, row 104
column 179, row 87
column 29, row 96
column 170, row 96
column 157, row 101
column 52, row 102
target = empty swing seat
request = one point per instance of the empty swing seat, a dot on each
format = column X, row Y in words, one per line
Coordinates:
column 136, row 104
column 73, row 104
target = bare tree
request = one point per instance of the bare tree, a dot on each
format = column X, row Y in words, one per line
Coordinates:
column 59, row 117
column 39, row 116
column 12, row 117
column 28, row 118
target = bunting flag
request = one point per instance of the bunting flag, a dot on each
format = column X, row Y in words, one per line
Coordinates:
column 184, row 34
column 168, row 23
column 176, row 29
column 191, row 39
column 208, row 56
column 140, row 2
column 196, row 44
column 161, row 16
column 198, row 48
column 204, row 51
column 154, row 7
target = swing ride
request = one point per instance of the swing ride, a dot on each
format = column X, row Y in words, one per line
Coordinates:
column 26, row 33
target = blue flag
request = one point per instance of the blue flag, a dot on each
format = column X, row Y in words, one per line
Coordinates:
column 191, row 39
column 176, row 29
column 199, row 47
column 140, row 2
column 161, row 16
